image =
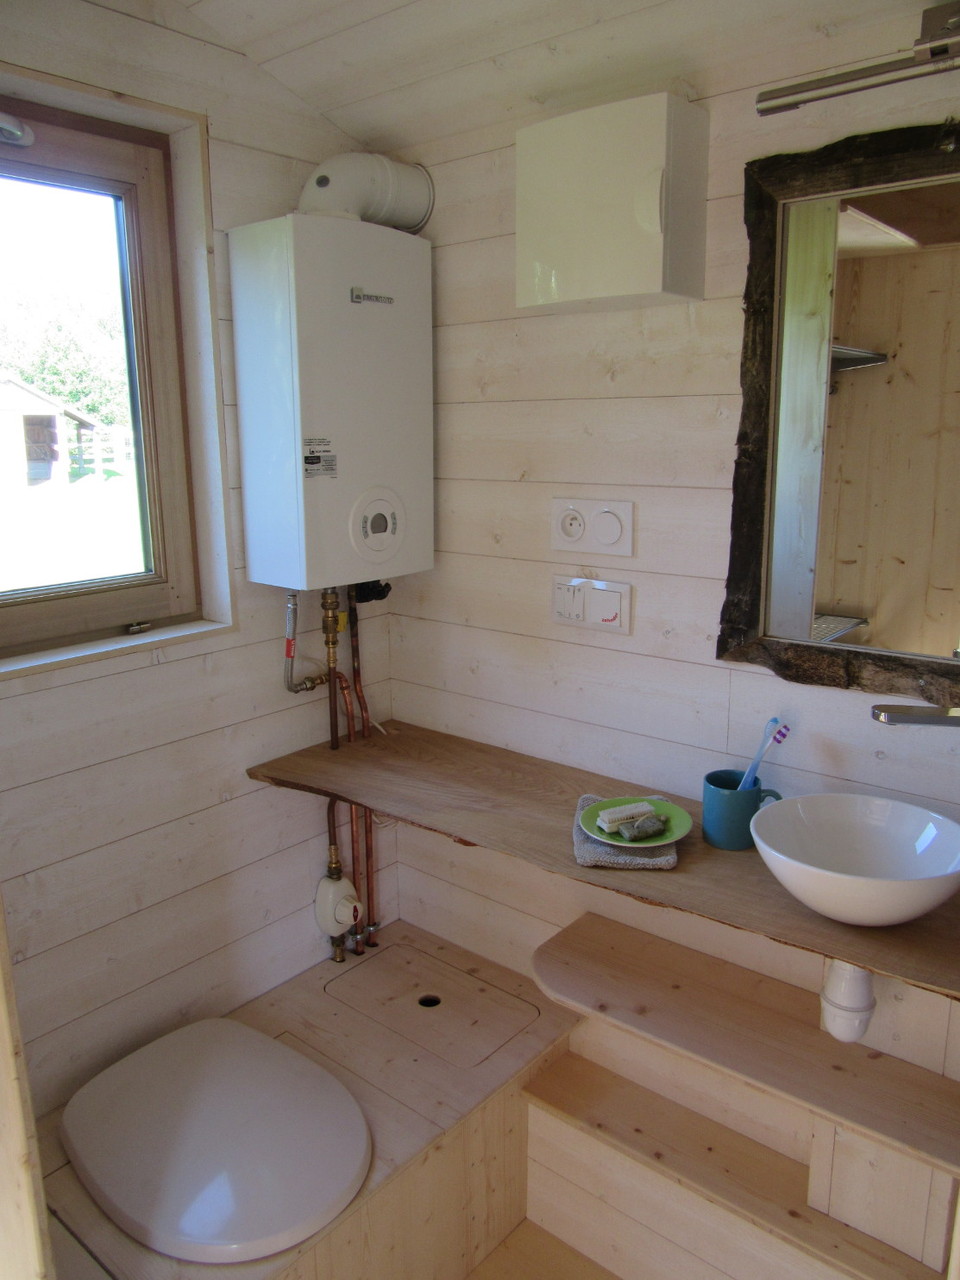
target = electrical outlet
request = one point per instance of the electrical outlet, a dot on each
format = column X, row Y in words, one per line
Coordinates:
column 591, row 526
column 572, row 525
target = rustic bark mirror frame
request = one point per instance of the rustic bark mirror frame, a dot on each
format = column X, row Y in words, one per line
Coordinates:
column 909, row 154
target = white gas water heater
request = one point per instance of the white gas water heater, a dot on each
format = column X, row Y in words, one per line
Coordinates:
column 333, row 341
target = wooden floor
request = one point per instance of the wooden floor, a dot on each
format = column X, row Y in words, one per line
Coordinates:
column 530, row 1253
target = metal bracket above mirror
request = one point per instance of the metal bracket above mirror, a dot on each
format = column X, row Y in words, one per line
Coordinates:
column 937, row 50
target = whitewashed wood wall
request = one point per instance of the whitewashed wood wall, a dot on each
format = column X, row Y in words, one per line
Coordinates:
column 147, row 880
column 640, row 405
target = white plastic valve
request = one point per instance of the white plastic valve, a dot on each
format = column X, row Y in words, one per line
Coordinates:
column 337, row 906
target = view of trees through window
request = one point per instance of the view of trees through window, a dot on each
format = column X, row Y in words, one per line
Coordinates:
column 71, row 502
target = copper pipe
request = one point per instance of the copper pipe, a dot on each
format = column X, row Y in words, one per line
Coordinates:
column 344, row 684
column 370, row 874
column 355, row 653
column 358, row 872
column 330, row 600
column 334, row 865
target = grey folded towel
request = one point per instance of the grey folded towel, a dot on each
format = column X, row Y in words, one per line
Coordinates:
column 590, row 852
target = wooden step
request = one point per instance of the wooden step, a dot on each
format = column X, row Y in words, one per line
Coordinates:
column 761, row 1031
column 683, row 1182
column 530, row 1253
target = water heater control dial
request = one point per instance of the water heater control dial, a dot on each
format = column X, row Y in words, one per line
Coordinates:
column 377, row 524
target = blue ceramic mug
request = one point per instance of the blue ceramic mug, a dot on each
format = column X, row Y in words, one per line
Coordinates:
column 727, row 811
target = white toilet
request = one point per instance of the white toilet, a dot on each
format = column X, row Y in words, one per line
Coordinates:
column 217, row 1144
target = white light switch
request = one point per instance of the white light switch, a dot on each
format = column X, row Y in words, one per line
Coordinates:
column 586, row 602
column 591, row 525
column 603, row 607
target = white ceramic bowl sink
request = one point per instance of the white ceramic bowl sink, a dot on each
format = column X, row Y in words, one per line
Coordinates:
column 860, row 859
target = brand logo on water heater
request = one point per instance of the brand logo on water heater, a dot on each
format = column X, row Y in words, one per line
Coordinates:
column 357, row 295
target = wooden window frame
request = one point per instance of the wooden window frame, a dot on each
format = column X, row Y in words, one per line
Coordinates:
column 134, row 164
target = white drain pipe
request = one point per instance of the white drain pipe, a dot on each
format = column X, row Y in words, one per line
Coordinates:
column 847, row 1001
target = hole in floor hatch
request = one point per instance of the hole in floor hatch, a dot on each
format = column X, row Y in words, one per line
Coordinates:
column 434, row 1004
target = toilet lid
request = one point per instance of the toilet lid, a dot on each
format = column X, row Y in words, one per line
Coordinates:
column 217, row 1144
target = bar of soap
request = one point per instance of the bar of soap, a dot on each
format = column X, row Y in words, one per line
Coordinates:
column 643, row 828
column 610, row 819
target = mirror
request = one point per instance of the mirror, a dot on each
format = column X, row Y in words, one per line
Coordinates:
column 845, row 532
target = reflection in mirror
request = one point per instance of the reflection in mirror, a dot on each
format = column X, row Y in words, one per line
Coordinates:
column 866, row 532
column 844, row 567
column 889, row 526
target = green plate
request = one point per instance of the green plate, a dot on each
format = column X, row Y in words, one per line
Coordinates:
column 678, row 822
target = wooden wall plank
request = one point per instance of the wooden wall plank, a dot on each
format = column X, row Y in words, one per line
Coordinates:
column 835, row 744
column 92, row 46
column 886, row 1194
column 682, row 441
column 59, row 817
column 396, row 47
column 553, row 737
column 559, row 900
column 488, row 927
column 529, row 1252
column 626, row 353
column 633, row 693
column 488, row 517
column 776, row 1122
column 102, row 966
column 606, row 1234
column 910, row 1020
column 508, row 595
column 68, row 1056
column 474, row 194
column 524, row 85
column 146, row 709
column 68, row 898
column 608, row 1179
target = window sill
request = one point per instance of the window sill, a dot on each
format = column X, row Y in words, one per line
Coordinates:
column 27, row 664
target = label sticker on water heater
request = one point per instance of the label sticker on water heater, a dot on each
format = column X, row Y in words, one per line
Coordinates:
column 319, row 458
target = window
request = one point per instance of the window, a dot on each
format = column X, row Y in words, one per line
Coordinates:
column 96, row 533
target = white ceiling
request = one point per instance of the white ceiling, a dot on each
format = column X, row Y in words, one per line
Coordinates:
column 391, row 73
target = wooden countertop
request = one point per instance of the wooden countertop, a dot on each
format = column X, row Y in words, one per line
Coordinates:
column 524, row 806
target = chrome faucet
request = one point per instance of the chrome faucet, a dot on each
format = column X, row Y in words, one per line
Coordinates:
column 903, row 714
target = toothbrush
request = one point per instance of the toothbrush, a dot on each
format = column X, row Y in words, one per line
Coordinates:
column 771, row 733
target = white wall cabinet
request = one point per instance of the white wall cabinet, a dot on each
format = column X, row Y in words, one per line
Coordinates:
column 611, row 205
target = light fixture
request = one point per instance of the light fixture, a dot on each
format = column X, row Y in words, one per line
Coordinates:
column 938, row 49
